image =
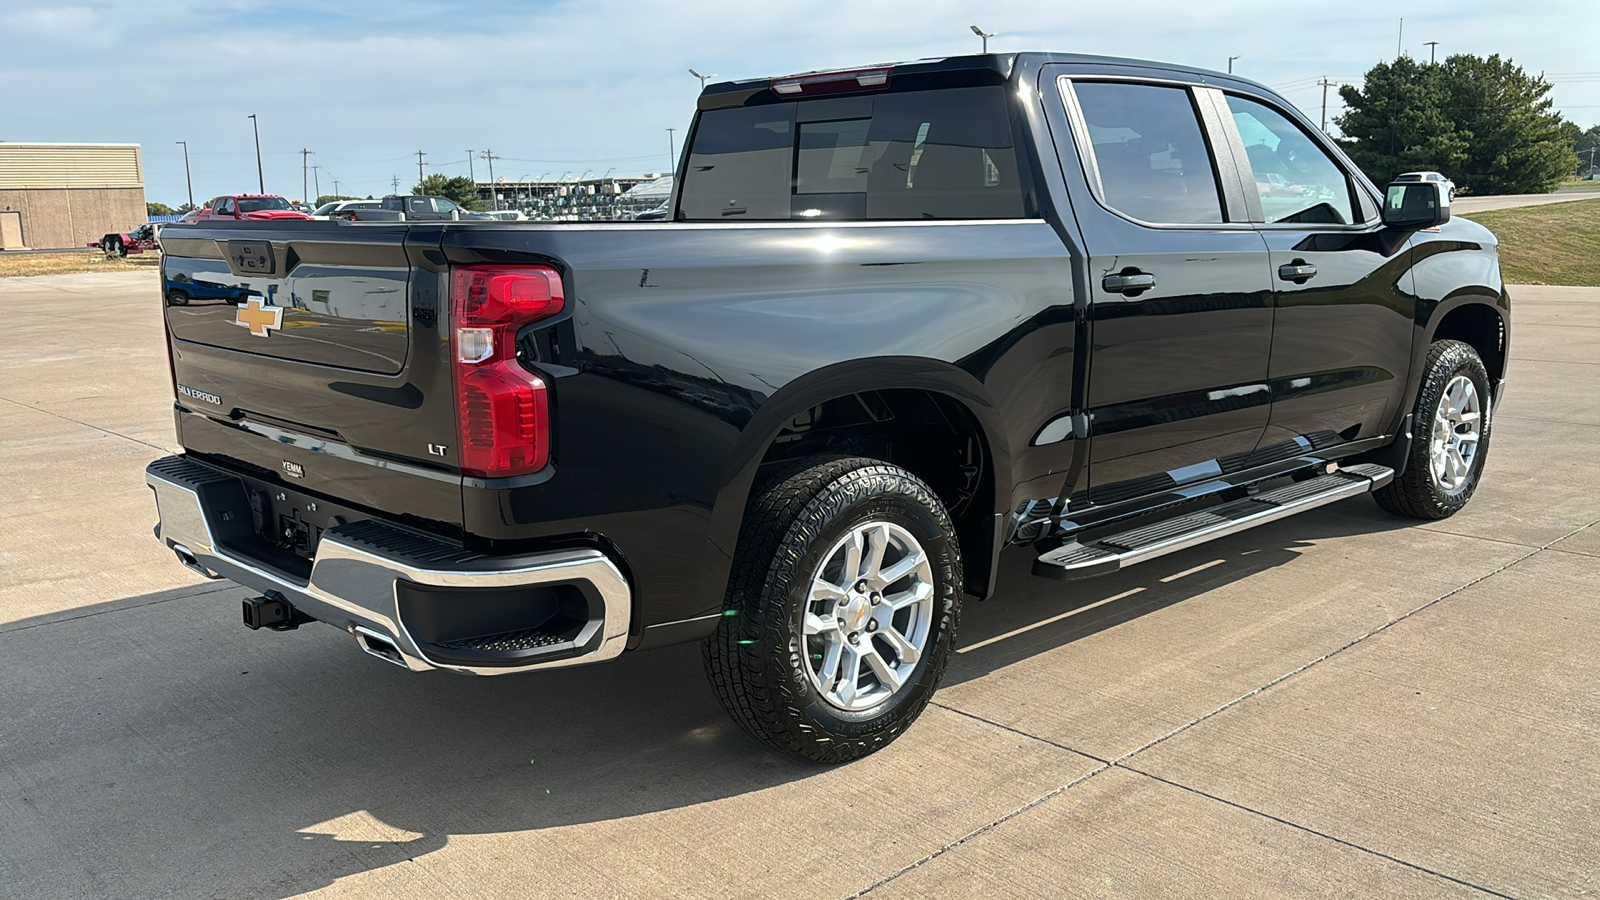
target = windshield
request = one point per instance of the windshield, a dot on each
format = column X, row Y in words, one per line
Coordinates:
column 259, row 204
column 326, row 208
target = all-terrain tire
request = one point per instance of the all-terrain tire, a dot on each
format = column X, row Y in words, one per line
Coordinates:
column 1417, row 492
column 756, row 659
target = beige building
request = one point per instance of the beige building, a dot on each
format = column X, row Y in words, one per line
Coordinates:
column 68, row 194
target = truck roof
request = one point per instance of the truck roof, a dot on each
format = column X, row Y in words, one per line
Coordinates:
column 923, row 74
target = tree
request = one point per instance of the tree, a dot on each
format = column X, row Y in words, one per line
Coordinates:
column 329, row 198
column 187, row 207
column 460, row 189
column 1588, row 149
column 159, row 209
column 1484, row 122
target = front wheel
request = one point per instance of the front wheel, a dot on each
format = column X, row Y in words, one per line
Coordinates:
column 842, row 608
column 1450, row 428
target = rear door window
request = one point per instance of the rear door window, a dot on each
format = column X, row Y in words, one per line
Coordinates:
column 944, row 154
column 1148, row 152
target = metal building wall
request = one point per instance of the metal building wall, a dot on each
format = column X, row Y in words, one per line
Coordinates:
column 71, row 194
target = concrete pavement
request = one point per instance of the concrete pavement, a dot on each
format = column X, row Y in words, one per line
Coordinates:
column 1470, row 204
column 1340, row 704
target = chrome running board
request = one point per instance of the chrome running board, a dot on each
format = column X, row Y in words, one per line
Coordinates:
column 1108, row 554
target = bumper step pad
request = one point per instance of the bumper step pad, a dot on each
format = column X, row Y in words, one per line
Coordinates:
column 1108, row 554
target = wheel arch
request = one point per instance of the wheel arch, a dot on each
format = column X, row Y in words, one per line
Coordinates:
column 910, row 386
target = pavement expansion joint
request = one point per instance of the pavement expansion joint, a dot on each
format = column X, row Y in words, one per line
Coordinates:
column 1312, row 831
column 198, row 590
column 1120, row 762
column 85, row 424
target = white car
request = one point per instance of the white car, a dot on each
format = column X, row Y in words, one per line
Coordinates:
column 509, row 215
column 341, row 209
column 1433, row 177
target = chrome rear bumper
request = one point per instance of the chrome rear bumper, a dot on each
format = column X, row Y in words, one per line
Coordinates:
column 359, row 569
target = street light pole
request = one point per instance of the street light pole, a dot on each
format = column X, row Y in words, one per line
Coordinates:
column 305, row 158
column 316, row 181
column 703, row 78
column 1230, row 63
column 984, row 36
column 186, row 179
column 1433, row 47
column 470, row 172
column 261, row 180
column 672, row 152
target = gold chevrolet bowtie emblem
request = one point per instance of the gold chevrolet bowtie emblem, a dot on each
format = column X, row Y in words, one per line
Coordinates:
column 259, row 316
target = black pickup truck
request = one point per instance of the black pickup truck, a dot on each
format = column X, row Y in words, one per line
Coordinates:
column 899, row 320
column 414, row 208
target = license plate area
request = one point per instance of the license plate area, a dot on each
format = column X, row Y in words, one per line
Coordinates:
column 291, row 521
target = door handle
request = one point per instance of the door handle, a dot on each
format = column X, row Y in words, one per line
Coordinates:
column 1128, row 282
column 1299, row 271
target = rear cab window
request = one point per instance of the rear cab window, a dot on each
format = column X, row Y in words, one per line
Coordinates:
column 933, row 154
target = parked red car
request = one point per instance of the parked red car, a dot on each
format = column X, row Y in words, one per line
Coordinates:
column 121, row 243
column 249, row 206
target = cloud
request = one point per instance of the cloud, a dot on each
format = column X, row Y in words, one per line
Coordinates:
column 367, row 84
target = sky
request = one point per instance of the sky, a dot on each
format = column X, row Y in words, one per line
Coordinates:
column 555, row 87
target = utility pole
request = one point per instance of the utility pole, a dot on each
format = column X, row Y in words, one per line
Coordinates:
column 395, row 180
column 336, row 187
column 1400, row 38
column 261, row 180
column 316, row 181
column 1591, row 164
column 420, row 154
column 470, row 173
column 1325, row 85
column 494, row 195
column 982, row 35
column 305, row 157
column 190, row 182
column 672, row 152
column 1433, row 47
column 1230, row 63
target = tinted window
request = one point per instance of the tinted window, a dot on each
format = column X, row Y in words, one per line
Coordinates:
column 919, row 155
column 260, row 204
column 740, row 164
column 1149, row 152
column 1297, row 180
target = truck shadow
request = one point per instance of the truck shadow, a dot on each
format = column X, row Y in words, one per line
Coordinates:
column 273, row 764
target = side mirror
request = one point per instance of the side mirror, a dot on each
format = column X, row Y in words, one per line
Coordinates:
column 1415, row 205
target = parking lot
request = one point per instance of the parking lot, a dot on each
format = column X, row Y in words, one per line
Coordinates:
column 1339, row 704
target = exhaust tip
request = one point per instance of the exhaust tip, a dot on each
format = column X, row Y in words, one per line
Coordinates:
column 187, row 558
column 379, row 645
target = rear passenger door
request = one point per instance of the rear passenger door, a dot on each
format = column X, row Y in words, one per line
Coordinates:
column 1180, row 298
column 1341, row 345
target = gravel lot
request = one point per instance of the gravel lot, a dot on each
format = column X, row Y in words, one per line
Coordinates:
column 1340, row 704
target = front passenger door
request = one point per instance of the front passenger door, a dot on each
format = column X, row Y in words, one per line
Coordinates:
column 1341, row 345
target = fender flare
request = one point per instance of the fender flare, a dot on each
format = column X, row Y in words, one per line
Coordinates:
column 815, row 388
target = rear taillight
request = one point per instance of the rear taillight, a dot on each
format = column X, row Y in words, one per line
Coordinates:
column 503, row 415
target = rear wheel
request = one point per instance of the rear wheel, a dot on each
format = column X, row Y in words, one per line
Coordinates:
column 842, row 608
column 1450, row 428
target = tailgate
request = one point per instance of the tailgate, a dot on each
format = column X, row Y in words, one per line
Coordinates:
column 310, row 353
